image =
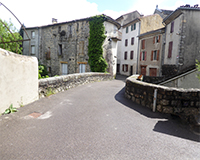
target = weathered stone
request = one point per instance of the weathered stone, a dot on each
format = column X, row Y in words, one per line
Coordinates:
column 190, row 111
column 137, row 101
column 133, row 99
column 164, row 102
column 159, row 108
column 167, row 109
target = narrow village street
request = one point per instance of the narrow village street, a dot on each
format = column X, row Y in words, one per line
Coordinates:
column 94, row 121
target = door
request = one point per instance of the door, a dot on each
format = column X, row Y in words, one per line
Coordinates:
column 118, row 68
column 64, row 68
column 153, row 72
column 81, row 68
column 143, row 70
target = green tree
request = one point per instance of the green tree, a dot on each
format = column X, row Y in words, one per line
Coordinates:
column 95, row 50
column 198, row 68
column 6, row 36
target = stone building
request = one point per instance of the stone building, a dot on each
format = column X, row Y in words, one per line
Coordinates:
column 182, row 44
column 133, row 24
column 63, row 47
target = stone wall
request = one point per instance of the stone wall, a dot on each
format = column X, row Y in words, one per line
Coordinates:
column 62, row 83
column 182, row 102
column 18, row 80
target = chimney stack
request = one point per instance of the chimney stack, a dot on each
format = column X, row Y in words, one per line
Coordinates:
column 54, row 20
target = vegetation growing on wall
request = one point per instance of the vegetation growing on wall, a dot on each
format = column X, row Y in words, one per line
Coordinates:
column 6, row 36
column 198, row 68
column 42, row 73
column 95, row 50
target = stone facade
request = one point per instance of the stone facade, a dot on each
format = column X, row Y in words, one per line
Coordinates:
column 63, row 47
column 182, row 34
column 182, row 102
column 62, row 83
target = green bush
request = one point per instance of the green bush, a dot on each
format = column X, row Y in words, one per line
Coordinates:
column 42, row 73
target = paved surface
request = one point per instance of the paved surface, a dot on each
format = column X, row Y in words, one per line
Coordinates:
column 94, row 121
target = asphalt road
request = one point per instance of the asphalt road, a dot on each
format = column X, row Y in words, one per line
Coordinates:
column 94, row 121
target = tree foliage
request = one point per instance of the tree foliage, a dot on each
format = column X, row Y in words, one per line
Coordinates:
column 95, row 50
column 198, row 68
column 42, row 71
column 6, row 36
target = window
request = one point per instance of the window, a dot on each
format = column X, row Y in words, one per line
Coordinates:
column 170, row 49
column 125, row 67
column 81, row 68
column 125, row 55
column 60, row 49
column 143, row 44
column 172, row 27
column 33, row 49
column 131, row 55
column 126, row 42
column 33, row 34
column 155, row 55
column 134, row 26
column 126, row 29
column 132, row 41
column 143, row 56
column 156, row 39
column 64, row 68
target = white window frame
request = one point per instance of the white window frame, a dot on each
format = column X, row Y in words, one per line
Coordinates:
column 32, row 49
column 64, row 68
column 33, row 34
column 82, row 68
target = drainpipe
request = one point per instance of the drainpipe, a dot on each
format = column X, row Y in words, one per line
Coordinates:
column 154, row 100
column 138, row 49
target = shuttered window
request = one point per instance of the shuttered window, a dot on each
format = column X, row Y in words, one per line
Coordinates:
column 125, row 55
column 143, row 44
column 131, row 55
column 155, row 55
column 143, row 56
column 126, row 42
column 172, row 27
column 170, row 49
column 132, row 41
column 125, row 67
column 64, row 68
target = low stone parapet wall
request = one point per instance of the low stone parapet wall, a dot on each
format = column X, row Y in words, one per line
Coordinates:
column 182, row 102
column 62, row 83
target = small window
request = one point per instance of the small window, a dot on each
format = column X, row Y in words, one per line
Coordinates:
column 170, row 49
column 131, row 55
column 172, row 27
column 64, row 68
column 155, row 55
column 60, row 49
column 143, row 56
column 126, row 42
column 33, row 49
column 134, row 26
column 33, row 34
column 125, row 67
column 132, row 41
column 81, row 68
column 156, row 39
column 125, row 55
column 126, row 29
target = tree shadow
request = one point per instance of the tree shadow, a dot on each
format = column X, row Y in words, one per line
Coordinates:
column 170, row 125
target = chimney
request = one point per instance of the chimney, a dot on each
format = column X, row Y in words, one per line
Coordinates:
column 54, row 20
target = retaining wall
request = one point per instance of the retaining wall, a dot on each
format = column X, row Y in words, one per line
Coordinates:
column 18, row 79
column 62, row 83
column 182, row 102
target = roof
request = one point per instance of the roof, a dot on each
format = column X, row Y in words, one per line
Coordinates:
column 127, row 14
column 153, row 32
column 109, row 19
column 178, row 12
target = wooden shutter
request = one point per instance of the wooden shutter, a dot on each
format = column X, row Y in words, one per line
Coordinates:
column 159, row 39
column 158, row 52
column 143, row 44
column 140, row 56
column 151, row 55
column 170, row 49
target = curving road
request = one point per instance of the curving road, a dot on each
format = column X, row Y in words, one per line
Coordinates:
column 94, row 121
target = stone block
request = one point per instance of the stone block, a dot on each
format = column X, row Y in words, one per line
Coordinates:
column 137, row 101
column 164, row 102
column 167, row 109
column 133, row 99
column 159, row 108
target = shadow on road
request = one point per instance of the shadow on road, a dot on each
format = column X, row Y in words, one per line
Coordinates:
column 167, row 125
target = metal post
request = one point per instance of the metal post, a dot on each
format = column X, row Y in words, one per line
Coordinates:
column 154, row 100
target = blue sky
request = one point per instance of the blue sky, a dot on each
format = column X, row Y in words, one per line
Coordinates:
column 40, row 12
